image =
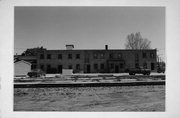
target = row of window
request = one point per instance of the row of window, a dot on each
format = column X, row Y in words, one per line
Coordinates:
column 97, row 56
column 152, row 55
column 59, row 56
column 96, row 66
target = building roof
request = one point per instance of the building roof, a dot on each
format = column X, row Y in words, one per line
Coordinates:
column 23, row 62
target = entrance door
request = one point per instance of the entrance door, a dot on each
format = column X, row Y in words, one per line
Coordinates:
column 152, row 66
column 116, row 69
column 88, row 68
column 59, row 68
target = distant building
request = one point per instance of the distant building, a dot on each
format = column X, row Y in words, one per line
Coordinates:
column 21, row 68
column 92, row 61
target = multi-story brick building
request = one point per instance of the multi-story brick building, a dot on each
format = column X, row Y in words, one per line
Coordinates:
column 93, row 61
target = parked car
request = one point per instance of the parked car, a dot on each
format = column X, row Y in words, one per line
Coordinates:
column 139, row 70
column 36, row 73
column 160, row 69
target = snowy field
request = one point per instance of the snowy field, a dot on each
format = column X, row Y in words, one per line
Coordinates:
column 136, row 98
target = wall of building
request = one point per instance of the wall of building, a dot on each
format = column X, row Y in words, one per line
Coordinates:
column 94, row 59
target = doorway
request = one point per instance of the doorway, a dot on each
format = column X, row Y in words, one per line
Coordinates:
column 116, row 69
column 88, row 68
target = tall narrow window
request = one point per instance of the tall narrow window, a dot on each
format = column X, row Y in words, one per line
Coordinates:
column 95, row 66
column 48, row 56
column 70, row 66
column 144, row 55
column 102, row 66
column 69, row 56
column 41, row 56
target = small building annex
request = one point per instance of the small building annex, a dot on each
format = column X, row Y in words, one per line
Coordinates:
column 21, row 68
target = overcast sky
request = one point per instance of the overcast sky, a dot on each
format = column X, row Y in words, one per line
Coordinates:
column 87, row 27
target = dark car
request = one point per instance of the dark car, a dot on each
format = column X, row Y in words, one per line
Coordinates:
column 36, row 73
column 139, row 70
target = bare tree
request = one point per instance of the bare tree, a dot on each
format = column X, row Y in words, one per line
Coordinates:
column 135, row 41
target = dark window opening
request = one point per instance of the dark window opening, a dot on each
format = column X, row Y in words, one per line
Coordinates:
column 102, row 66
column 95, row 66
column 111, row 56
column 112, row 66
column 59, row 56
column 121, row 65
column 41, row 56
column 144, row 55
column 49, row 56
column 69, row 56
column 70, row 66
column 137, row 65
column 33, row 66
column 77, row 56
column 152, row 66
column 60, row 68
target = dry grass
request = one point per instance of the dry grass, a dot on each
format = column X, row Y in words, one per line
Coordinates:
column 137, row 98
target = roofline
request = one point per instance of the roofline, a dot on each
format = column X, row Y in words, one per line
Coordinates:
column 105, row 50
column 23, row 61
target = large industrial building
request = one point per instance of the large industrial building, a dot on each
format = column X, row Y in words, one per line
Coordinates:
column 91, row 61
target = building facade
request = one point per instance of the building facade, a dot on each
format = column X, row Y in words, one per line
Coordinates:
column 93, row 61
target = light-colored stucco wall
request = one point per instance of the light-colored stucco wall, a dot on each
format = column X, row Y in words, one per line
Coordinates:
column 21, row 68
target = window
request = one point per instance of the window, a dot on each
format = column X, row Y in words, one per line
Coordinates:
column 102, row 66
column 111, row 56
column 70, row 66
column 77, row 56
column 152, row 55
column 41, row 56
column 112, row 66
column 152, row 66
column 95, row 56
column 42, row 67
column 48, row 67
column 77, row 66
column 48, row 56
column 137, row 65
column 145, row 65
column 144, row 55
column 102, row 56
column 121, row 65
column 119, row 56
column 69, row 56
column 59, row 56
column 95, row 66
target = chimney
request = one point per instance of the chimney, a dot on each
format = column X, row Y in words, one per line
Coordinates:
column 106, row 47
column 69, row 47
